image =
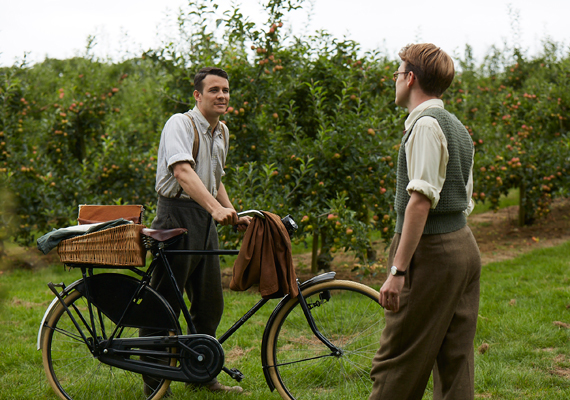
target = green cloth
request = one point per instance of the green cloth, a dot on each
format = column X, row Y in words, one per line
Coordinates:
column 50, row 240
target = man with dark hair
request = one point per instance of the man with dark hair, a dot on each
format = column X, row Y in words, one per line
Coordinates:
column 191, row 158
column 431, row 295
column 204, row 72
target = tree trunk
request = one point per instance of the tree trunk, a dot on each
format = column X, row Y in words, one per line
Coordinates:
column 522, row 204
column 324, row 248
column 314, row 255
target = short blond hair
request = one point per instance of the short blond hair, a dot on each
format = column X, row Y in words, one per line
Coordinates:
column 431, row 65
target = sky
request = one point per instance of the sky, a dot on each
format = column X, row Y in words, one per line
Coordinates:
column 60, row 28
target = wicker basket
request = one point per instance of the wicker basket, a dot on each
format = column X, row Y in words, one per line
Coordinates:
column 120, row 246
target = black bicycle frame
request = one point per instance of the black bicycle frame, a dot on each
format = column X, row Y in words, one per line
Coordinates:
column 106, row 352
column 251, row 312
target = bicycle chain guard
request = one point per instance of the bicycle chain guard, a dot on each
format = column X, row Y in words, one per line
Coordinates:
column 201, row 358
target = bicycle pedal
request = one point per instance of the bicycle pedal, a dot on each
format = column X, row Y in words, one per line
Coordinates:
column 234, row 373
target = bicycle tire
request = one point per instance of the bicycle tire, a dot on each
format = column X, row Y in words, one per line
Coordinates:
column 74, row 373
column 300, row 364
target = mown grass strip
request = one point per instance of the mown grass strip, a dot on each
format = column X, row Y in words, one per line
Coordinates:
column 522, row 344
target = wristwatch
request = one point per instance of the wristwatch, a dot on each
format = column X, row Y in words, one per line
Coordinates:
column 396, row 272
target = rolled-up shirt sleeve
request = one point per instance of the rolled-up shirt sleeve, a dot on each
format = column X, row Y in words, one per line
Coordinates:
column 178, row 141
column 426, row 159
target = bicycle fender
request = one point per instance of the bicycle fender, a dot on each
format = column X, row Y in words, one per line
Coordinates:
column 54, row 302
column 328, row 276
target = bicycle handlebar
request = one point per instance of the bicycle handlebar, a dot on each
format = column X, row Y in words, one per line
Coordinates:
column 256, row 213
column 289, row 223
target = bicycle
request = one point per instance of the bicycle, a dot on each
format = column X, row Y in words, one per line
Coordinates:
column 323, row 340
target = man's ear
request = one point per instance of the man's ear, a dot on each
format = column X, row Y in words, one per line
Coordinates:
column 411, row 79
column 197, row 96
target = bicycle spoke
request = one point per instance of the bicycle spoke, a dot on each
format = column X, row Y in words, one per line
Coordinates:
column 74, row 336
column 302, row 360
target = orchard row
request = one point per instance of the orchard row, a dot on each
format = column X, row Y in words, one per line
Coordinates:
column 314, row 129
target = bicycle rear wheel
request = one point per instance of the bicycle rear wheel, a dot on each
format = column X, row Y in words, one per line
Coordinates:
column 76, row 374
column 300, row 365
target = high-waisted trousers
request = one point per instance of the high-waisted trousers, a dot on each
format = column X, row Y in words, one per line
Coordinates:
column 435, row 326
column 199, row 276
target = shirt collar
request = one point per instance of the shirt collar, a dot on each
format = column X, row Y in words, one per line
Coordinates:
column 420, row 109
column 203, row 123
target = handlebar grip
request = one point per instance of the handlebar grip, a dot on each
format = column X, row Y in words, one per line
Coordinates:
column 288, row 221
column 255, row 213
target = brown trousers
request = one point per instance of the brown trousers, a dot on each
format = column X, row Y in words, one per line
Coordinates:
column 435, row 326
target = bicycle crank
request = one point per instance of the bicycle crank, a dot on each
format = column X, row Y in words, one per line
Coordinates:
column 201, row 357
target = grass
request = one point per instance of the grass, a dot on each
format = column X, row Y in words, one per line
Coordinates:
column 528, row 353
column 522, row 301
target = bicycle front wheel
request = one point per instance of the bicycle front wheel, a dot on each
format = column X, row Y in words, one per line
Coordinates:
column 300, row 365
column 76, row 374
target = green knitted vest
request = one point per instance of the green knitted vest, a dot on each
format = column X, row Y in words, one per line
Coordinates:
column 448, row 215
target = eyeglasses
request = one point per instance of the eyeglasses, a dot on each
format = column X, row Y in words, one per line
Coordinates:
column 395, row 78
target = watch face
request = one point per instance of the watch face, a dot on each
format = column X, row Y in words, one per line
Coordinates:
column 393, row 270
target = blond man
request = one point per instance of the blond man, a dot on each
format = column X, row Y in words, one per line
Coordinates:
column 431, row 295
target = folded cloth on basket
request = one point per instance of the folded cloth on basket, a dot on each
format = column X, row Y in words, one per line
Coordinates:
column 50, row 240
column 265, row 258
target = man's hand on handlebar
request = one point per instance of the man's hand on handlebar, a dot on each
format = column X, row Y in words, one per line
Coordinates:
column 242, row 223
column 225, row 216
column 228, row 216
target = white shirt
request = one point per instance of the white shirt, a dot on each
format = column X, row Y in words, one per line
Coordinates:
column 427, row 156
column 176, row 142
